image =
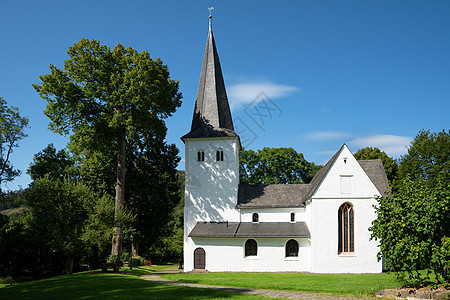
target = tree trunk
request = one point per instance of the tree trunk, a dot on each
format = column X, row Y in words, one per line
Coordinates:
column 69, row 265
column 120, row 193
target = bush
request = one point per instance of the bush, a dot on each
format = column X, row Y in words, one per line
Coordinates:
column 413, row 226
column 7, row 280
column 138, row 261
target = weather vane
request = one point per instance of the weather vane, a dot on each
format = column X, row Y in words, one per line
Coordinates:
column 210, row 9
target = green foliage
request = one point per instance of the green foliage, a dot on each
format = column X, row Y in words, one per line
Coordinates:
column 114, row 102
column 275, row 166
column 104, row 89
column 413, row 226
column 59, row 212
column 12, row 127
column 57, row 164
column 68, row 217
column 390, row 165
column 428, row 158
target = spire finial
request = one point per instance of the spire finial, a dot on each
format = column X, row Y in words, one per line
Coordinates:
column 210, row 16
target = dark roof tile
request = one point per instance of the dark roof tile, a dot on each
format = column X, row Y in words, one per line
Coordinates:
column 247, row 230
column 272, row 195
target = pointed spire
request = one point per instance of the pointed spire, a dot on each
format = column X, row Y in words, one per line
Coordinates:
column 212, row 115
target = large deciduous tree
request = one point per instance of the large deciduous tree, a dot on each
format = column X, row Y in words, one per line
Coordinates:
column 12, row 127
column 390, row 165
column 104, row 96
column 275, row 166
column 413, row 226
column 428, row 157
column 60, row 210
column 57, row 164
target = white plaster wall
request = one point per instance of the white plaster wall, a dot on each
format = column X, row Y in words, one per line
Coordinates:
column 324, row 220
column 274, row 214
column 228, row 255
column 211, row 186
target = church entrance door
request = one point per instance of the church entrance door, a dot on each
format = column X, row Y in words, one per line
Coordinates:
column 199, row 258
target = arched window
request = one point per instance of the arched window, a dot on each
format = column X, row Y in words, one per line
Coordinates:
column 200, row 155
column 292, row 217
column 292, row 248
column 255, row 218
column 219, row 155
column 251, row 248
column 346, row 229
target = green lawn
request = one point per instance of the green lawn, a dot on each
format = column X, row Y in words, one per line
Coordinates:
column 334, row 284
column 92, row 285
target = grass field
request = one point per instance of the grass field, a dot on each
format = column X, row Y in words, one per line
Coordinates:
column 92, row 285
column 335, row 284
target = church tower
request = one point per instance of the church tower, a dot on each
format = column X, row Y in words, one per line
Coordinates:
column 211, row 155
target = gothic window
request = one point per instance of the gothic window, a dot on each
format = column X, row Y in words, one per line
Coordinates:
column 292, row 217
column 251, row 248
column 200, row 155
column 219, row 155
column 255, row 218
column 346, row 229
column 292, row 248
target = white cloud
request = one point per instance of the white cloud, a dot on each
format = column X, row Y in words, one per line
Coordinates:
column 393, row 145
column 328, row 135
column 243, row 93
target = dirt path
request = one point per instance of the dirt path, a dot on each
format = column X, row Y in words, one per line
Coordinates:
column 155, row 277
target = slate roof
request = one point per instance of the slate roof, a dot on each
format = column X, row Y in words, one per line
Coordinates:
column 212, row 115
column 375, row 170
column 272, row 195
column 248, row 230
column 296, row 195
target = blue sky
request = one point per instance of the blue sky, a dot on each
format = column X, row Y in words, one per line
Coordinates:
column 319, row 73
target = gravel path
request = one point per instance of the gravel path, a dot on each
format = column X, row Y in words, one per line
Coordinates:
column 155, row 277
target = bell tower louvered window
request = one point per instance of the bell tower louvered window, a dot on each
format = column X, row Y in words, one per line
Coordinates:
column 200, row 155
column 219, row 155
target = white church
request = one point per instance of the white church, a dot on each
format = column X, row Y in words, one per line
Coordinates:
column 320, row 227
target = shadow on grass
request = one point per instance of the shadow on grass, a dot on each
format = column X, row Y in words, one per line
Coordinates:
column 111, row 286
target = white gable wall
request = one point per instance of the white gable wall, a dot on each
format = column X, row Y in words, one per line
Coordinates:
column 345, row 182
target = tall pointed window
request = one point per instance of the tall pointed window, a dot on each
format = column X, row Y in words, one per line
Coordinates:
column 200, row 155
column 346, row 229
column 219, row 155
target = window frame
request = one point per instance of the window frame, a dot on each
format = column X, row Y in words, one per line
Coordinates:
column 255, row 217
column 200, row 155
column 248, row 248
column 346, row 229
column 219, row 154
column 296, row 245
